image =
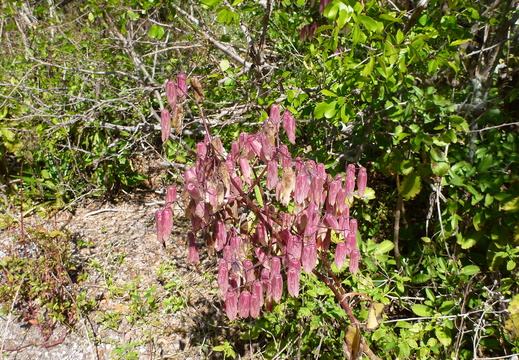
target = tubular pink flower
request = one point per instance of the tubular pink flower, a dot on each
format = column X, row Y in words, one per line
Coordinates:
column 165, row 124
column 171, row 94
column 340, row 202
column 275, row 115
column 309, row 256
column 362, row 180
column 284, row 156
column 272, row 174
column 201, row 150
column 244, row 304
column 228, row 253
column 354, row 261
column 351, row 242
column 231, row 304
column 289, row 124
column 350, row 183
column 302, row 188
column 220, row 234
column 182, row 86
column 245, row 170
column 340, row 255
column 331, row 221
column 294, row 247
column 193, row 249
column 255, row 305
column 167, row 222
column 190, row 174
column 353, row 226
column 260, row 255
column 333, row 189
column 223, row 276
column 293, row 282
column 267, row 150
column 159, row 225
column 171, row 195
column 257, row 289
column 262, row 235
column 248, row 267
column 275, row 266
column 192, row 189
column 277, row 287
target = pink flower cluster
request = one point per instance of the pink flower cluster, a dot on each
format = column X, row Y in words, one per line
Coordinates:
column 265, row 239
column 175, row 92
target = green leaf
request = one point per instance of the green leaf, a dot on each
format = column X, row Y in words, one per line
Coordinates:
column 512, row 205
column 440, row 168
column 156, row 32
column 368, row 69
column 485, row 163
column 411, row 186
column 459, row 42
column 420, row 278
column 328, row 93
column 368, row 22
column 469, row 270
column 385, row 246
column 325, row 109
column 443, row 335
column 224, row 65
column 422, row 310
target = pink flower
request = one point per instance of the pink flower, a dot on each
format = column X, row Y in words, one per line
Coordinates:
column 302, row 188
column 245, row 170
column 223, row 276
column 244, row 304
column 248, row 267
column 277, row 287
column 272, row 174
column 255, row 305
column 331, row 221
column 275, row 116
column 362, row 180
column 257, row 289
column 231, row 304
column 171, row 94
column 193, row 249
column 171, row 195
column 159, row 225
column 165, row 124
column 289, row 124
column 167, row 223
column 351, row 242
column 284, row 156
column 182, row 86
column 340, row 255
column 354, row 261
column 309, row 256
column 294, row 247
column 293, row 282
column 261, row 233
column 221, row 235
column 275, row 266
column 333, row 189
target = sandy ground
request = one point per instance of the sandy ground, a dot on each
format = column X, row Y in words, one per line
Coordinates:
column 123, row 258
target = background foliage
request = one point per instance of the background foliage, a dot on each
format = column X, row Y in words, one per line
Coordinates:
column 424, row 96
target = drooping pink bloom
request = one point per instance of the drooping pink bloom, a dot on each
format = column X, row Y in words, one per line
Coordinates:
column 171, row 195
column 309, row 256
column 255, row 305
column 353, row 225
column 248, row 267
column 244, row 304
column 257, row 289
column 340, row 201
column 223, row 276
column 231, row 304
column 190, row 174
column 340, row 255
column 167, row 223
column 289, row 124
column 192, row 189
column 275, row 266
column 245, row 170
column 261, row 234
column 362, row 180
column 193, row 255
column 171, row 94
column 201, row 150
column 267, row 150
column 159, row 225
column 260, row 255
column 333, row 189
column 350, row 183
column 228, row 253
column 294, row 247
column 284, row 156
column 220, row 234
column 165, row 124
column 277, row 287
column 354, row 261
column 351, row 242
column 182, row 86
column 275, row 115
column 302, row 188
column 272, row 174
column 331, row 221
column 293, row 282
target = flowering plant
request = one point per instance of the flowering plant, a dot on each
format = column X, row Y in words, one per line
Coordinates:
column 268, row 217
